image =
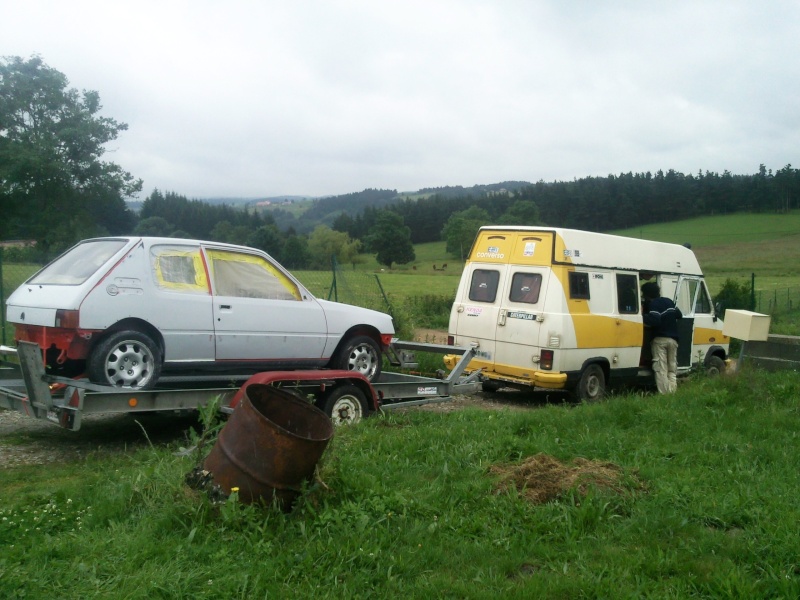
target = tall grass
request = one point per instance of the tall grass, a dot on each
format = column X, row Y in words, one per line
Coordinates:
column 407, row 505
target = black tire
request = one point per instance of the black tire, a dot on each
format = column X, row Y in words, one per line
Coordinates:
column 345, row 405
column 362, row 355
column 125, row 359
column 592, row 384
column 490, row 385
column 715, row 366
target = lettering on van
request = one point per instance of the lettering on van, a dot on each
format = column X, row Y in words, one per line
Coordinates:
column 521, row 315
column 491, row 252
column 575, row 253
column 474, row 311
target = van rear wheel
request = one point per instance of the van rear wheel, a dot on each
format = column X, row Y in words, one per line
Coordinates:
column 592, row 384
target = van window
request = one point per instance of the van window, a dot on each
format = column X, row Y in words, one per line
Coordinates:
column 628, row 302
column 692, row 297
column 702, row 303
column 483, row 287
column 525, row 287
column 578, row 285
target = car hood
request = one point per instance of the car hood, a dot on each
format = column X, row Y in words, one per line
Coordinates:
column 342, row 317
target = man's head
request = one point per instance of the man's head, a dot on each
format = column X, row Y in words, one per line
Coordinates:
column 650, row 290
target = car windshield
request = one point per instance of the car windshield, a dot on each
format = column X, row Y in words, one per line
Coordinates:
column 80, row 263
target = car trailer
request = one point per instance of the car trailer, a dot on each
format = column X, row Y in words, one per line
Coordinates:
column 346, row 396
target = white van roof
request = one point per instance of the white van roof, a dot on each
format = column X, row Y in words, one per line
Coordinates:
column 590, row 249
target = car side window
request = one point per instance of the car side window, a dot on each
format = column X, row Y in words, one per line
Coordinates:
column 483, row 287
column 249, row 276
column 179, row 268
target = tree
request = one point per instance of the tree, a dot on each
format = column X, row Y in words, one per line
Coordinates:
column 461, row 228
column 155, row 226
column 324, row 243
column 522, row 212
column 391, row 240
column 51, row 144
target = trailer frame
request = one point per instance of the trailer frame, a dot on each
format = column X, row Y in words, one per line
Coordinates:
column 25, row 387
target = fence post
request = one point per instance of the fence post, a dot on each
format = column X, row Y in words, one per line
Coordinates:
column 334, row 292
column 2, row 303
column 380, row 287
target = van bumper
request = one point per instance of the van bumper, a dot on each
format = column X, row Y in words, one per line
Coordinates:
column 541, row 379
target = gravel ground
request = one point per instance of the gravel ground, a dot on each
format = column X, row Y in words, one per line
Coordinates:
column 28, row 441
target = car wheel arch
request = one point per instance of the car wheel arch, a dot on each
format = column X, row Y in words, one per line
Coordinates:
column 135, row 325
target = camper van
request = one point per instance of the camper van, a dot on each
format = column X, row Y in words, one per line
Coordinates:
column 562, row 309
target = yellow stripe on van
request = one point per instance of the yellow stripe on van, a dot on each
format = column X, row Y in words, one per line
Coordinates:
column 704, row 335
column 596, row 331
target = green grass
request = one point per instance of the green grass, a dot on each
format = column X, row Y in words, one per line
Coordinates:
column 408, row 507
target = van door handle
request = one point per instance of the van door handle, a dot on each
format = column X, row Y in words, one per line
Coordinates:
column 502, row 320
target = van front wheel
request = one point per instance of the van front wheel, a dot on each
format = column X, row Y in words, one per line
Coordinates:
column 592, row 384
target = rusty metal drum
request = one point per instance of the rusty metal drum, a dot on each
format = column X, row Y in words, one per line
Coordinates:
column 270, row 446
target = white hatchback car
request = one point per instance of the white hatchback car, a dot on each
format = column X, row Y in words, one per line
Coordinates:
column 124, row 308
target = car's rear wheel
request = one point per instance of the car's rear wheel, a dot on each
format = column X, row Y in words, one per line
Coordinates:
column 362, row 355
column 126, row 359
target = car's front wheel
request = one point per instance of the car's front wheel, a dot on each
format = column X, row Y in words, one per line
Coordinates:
column 127, row 359
column 362, row 355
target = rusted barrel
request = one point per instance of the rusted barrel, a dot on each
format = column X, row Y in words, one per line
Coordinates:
column 270, row 446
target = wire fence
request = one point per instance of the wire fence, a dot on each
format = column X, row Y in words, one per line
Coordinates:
column 339, row 284
column 777, row 301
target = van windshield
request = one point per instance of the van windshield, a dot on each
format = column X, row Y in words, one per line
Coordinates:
column 78, row 264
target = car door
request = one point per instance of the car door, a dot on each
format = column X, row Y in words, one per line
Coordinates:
column 181, row 305
column 261, row 313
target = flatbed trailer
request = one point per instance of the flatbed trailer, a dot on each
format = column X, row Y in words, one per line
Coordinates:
column 345, row 396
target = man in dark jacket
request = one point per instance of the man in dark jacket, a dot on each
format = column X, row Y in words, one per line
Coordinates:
column 661, row 315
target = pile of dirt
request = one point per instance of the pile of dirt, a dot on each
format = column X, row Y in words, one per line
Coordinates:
column 542, row 478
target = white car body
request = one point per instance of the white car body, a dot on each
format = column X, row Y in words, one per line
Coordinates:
column 205, row 304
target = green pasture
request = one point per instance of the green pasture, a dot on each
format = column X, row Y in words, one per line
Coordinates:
column 686, row 496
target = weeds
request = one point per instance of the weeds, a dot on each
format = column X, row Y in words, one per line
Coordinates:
column 697, row 498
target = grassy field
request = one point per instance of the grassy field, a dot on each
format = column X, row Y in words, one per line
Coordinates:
column 640, row 496
column 693, row 495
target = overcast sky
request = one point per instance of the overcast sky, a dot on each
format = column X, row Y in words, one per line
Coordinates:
column 264, row 98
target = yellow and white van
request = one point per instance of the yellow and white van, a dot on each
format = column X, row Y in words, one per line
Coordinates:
column 561, row 309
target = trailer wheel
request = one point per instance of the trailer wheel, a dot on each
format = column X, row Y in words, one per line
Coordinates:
column 715, row 366
column 490, row 386
column 592, row 384
column 345, row 404
column 360, row 354
column 126, row 359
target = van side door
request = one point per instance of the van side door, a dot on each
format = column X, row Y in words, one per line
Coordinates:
column 702, row 328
